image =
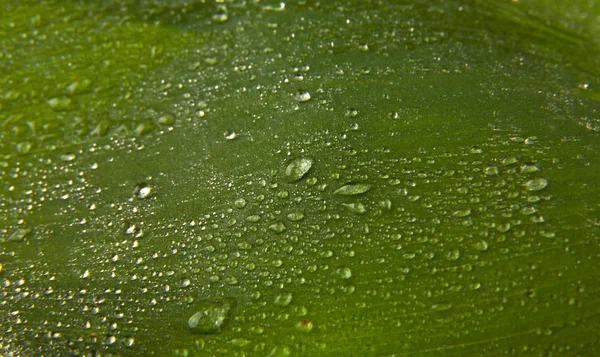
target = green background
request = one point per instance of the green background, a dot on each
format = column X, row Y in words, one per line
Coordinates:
column 472, row 127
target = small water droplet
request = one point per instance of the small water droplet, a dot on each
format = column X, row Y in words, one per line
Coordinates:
column 280, row 351
column 453, row 254
column 351, row 113
column 230, row 135
column 167, row 119
column 491, row 171
column 357, row 208
column 462, row 212
column 304, row 325
column 386, row 204
column 142, row 190
column 221, row 15
column 482, row 245
column 59, row 104
column 302, row 96
column 68, row 157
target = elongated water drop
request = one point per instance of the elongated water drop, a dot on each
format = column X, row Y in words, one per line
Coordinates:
column 353, row 189
column 536, row 184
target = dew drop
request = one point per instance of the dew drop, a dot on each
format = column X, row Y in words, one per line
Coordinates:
column 230, row 135
column 304, row 325
column 357, row 208
column 167, row 119
column 353, row 189
column 302, row 96
column 351, row 113
column 492, row 171
column 298, row 168
column 344, row 273
column 18, row 235
column 283, row 299
column 536, row 184
column 142, row 190
column 295, row 216
column 240, row 203
column 527, row 169
column 453, row 254
column 209, row 315
column 277, row 227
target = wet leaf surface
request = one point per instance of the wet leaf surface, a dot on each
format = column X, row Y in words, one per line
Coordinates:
column 191, row 178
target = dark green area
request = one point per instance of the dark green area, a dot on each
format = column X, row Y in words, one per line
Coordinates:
column 336, row 178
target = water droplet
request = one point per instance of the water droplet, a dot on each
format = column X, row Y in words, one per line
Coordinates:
column 527, row 169
column 536, row 184
column 239, row 342
column 209, row 315
column 277, row 227
column 280, row 351
column 24, row 147
column 130, row 228
column 528, row 210
column 353, row 189
column 142, row 190
column 59, row 104
column 386, row 204
column 240, row 203
column 221, row 15
column 351, row 113
column 295, row 216
column 129, row 341
column 253, row 218
column 68, row 157
column 283, row 299
column 143, row 128
column 442, row 307
column 167, row 119
column 305, row 325
column 230, row 135
column 453, row 254
column 302, row 96
column 491, row 171
column 79, row 86
column 298, row 168
column 482, row 245
column 357, row 208
column 462, row 212
column 18, row 235
column 344, row 273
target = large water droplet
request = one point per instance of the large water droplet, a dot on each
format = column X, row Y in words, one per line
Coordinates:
column 353, row 189
column 536, row 184
column 210, row 315
column 298, row 168
column 283, row 299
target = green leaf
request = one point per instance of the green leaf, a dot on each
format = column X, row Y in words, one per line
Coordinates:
column 335, row 178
